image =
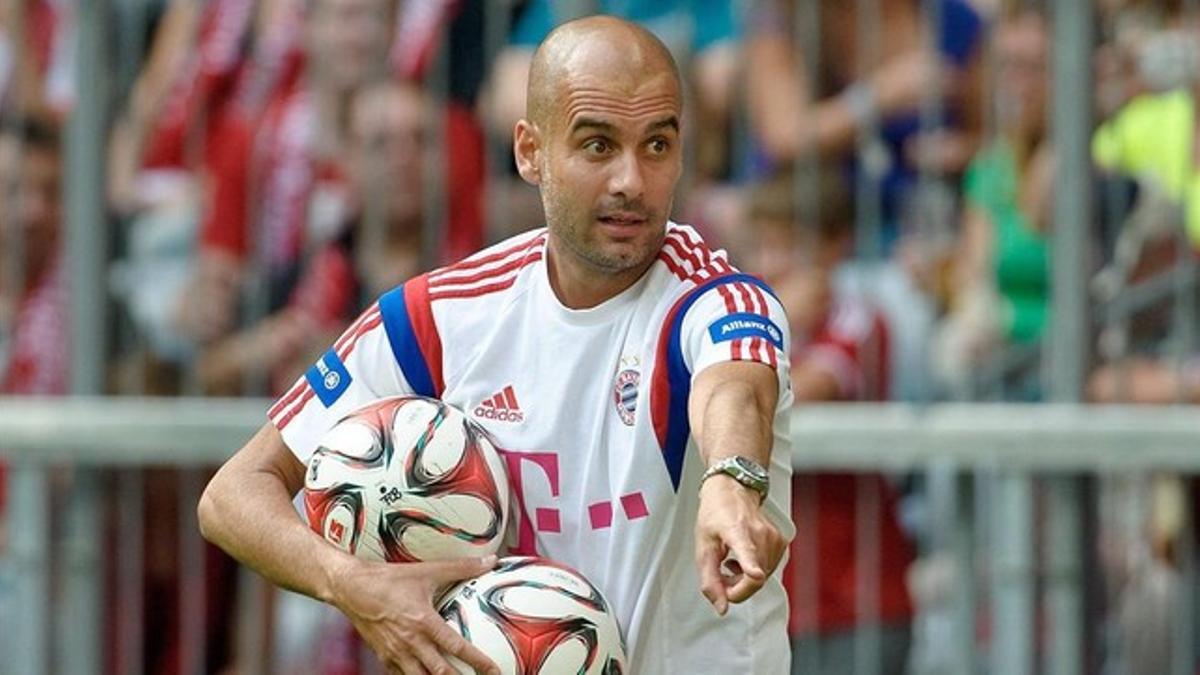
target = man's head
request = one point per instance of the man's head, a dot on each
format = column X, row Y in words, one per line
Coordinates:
column 387, row 127
column 601, row 139
column 30, row 190
column 810, row 229
column 347, row 40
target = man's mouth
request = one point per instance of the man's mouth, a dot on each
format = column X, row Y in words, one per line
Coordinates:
column 622, row 219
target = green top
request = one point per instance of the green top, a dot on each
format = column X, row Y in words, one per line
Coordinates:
column 1020, row 256
column 1151, row 139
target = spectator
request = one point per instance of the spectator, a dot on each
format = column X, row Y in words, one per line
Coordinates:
column 33, row 302
column 279, row 189
column 1001, row 273
column 1150, row 139
column 458, row 29
column 211, row 65
column 866, row 111
column 849, row 95
column 839, row 353
column 1148, row 381
column 36, row 55
column 34, row 318
column 207, row 59
column 1142, row 559
column 380, row 245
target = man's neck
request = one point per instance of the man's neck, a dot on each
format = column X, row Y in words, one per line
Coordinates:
column 581, row 285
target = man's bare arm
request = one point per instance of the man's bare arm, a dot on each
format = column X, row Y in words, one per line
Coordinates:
column 247, row 510
column 732, row 413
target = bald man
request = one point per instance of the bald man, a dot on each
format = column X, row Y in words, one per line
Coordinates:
column 643, row 380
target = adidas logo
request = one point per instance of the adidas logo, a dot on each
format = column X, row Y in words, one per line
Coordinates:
column 502, row 407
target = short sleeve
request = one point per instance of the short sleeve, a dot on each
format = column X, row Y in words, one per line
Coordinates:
column 990, row 181
column 1107, row 144
column 739, row 319
column 392, row 349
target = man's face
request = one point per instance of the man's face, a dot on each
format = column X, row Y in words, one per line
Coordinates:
column 30, row 212
column 348, row 39
column 610, row 158
column 387, row 126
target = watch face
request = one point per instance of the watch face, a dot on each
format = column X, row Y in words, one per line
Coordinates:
column 751, row 468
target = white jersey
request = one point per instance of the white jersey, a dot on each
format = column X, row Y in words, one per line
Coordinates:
column 591, row 409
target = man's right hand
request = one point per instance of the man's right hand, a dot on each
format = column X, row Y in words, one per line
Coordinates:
column 391, row 607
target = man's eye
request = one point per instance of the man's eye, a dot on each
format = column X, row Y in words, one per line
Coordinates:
column 659, row 146
column 597, row 146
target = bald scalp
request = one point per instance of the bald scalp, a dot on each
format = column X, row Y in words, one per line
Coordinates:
column 601, row 46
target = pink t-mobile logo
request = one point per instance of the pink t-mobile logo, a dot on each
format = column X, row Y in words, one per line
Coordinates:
column 548, row 520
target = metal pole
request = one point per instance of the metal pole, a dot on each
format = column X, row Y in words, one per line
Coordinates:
column 961, row 545
column 251, row 622
column 1072, row 201
column 806, row 186
column 24, row 630
column 29, row 515
column 496, row 27
column 1012, row 575
column 1064, row 578
column 79, row 647
column 1067, row 365
column 806, row 653
column 192, row 575
column 435, row 154
column 868, row 221
column 131, row 572
column 867, row 572
column 1183, row 646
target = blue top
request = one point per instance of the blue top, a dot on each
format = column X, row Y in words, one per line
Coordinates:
column 688, row 25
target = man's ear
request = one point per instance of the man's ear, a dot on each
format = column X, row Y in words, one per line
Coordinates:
column 527, row 149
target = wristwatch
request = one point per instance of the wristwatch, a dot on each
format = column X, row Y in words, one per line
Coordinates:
column 744, row 470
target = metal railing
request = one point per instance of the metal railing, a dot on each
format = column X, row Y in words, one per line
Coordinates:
column 992, row 451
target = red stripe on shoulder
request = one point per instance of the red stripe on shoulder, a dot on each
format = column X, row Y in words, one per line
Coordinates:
column 474, row 263
column 672, row 266
column 481, row 275
column 474, row 292
column 706, row 254
column 419, row 301
column 500, row 284
column 684, row 252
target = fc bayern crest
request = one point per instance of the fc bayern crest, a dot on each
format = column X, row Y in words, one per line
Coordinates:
column 625, row 393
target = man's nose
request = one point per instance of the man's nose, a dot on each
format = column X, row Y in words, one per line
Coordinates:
column 626, row 179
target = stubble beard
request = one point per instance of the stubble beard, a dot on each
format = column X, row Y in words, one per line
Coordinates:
column 573, row 230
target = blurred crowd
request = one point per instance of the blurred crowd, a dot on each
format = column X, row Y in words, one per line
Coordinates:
column 273, row 165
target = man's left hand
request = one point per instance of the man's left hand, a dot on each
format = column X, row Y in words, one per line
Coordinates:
column 731, row 525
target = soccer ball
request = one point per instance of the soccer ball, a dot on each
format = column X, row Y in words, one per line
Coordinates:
column 533, row 616
column 407, row 479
